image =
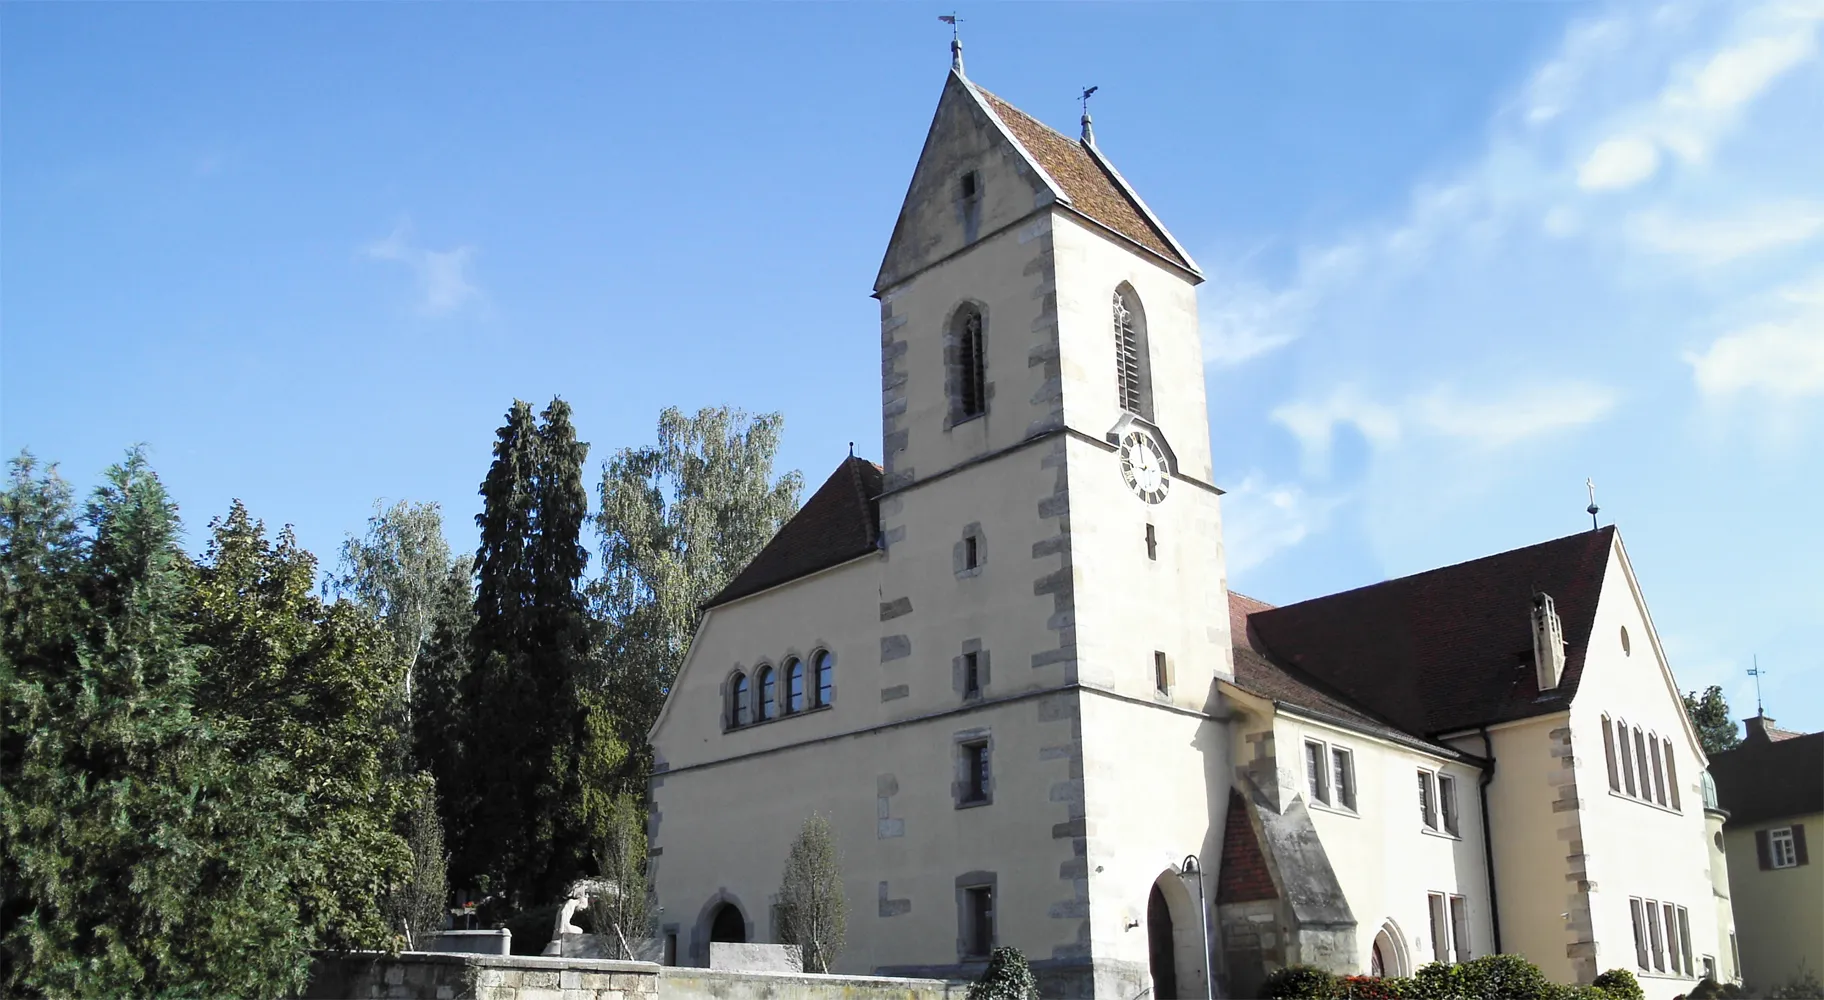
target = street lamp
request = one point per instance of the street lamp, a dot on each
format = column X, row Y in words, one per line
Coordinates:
column 1188, row 871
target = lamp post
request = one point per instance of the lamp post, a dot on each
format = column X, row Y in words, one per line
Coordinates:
column 1191, row 870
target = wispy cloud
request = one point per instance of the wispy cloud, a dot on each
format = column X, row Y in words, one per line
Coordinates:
column 1780, row 357
column 444, row 281
column 1751, row 230
column 1262, row 518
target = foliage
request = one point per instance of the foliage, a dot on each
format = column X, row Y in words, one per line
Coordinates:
column 1502, row 977
column 1007, row 977
column 1300, row 982
column 524, row 716
column 813, row 911
column 1369, row 988
column 1437, row 981
column 626, row 916
column 1706, row 989
column 1620, row 984
column 439, row 721
column 1709, row 715
column 1803, row 986
column 416, row 907
column 678, row 520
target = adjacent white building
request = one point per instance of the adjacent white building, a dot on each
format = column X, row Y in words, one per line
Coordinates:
column 1006, row 665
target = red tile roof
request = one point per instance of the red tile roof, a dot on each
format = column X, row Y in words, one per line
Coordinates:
column 839, row 522
column 1092, row 190
column 1440, row 651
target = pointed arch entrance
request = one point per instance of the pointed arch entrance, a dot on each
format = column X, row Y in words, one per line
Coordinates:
column 1173, row 937
column 728, row 925
column 1387, row 956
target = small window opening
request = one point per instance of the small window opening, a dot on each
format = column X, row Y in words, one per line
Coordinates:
column 1447, row 802
column 980, row 910
column 1343, row 771
column 1315, row 775
column 971, row 185
column 975, row 758
column 972, row 675
column 1152, row 544
column 1162, row 673
column 972, row 385
column 970, row 557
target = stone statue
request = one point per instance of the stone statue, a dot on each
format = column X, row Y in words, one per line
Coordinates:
column 578, row 897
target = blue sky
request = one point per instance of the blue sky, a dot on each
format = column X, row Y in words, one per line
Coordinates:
column 1461, row 257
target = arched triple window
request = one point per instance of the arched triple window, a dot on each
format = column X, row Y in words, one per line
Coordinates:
column 768, row 700
column 969, row 368
column 1133, row 375
column 737, row 696
column 794, row 685
column 826, row 676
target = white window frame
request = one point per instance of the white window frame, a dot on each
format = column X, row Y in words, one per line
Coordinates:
column 1459, row 927
column 1317, row 768
column 1437, row 904
column 1782, row 852
column 1637, row 910
column 1438, row 802
column 1322, row 760
column 1342, row 777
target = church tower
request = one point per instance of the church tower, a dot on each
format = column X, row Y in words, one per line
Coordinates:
column 1050, row 529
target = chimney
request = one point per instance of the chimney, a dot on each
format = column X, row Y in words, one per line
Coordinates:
column 1548, row 642
column 1760, row 729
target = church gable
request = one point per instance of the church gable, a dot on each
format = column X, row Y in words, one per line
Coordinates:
column 840, row 522
column 972, row 179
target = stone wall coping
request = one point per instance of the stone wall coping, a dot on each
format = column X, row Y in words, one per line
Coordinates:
column 824, row 977
column 542, row 963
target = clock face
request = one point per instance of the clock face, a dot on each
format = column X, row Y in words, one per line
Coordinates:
column 1143, row 466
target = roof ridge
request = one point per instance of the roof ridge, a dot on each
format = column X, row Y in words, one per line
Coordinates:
column 1443, row 569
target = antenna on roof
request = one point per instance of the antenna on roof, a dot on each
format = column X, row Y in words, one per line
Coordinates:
column 1089, row 134
column 956, row 41
column 1592, row 508
column 1756, row 672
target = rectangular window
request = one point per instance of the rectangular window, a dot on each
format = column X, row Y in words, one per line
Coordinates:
column 971, row 554
column 1684, row 939
column 1162, row 673
column 975, row 780
column 1342, row 773
column 1608, row 751
column 1710, row 967
column 1440, row 927
column 1152, row 544
column 1314, row 772
column 1671, row 913
column 1735, row 956
column 1447, row 802
column 1459, row 926
column 979, row 913
column 1781, row 847
column 971, row 180
column 972, row 675
column 1428, row 807
column 1627, row 757
column 1637, row 907
column 1672, row 777
column 1656, row 942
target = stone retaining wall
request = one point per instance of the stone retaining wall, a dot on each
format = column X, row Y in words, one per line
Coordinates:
column 677, row 983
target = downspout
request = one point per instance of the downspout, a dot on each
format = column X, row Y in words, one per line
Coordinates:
column 1488, row 840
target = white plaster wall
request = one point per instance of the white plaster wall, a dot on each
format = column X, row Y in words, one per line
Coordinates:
column 726, row 828
column 1636, row 848
column 1385, row 858
column 1090, row 265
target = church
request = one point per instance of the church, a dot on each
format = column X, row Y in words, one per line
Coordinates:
column 1005, row 664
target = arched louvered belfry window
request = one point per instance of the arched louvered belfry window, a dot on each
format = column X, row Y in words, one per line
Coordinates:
column 1133, row 374
column 794, row 685
column 737, row 697
column 969, row 369
column 768, row 696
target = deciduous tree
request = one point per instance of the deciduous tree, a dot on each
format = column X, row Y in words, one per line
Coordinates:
column 813, row 910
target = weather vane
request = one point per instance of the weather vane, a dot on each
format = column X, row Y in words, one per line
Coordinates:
column 1756, row 672
column 1592, row 508
column 956, row 39
column 1088, row 134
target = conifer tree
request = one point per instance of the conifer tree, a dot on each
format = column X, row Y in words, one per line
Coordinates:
column 1709, row 714
column 812, row 906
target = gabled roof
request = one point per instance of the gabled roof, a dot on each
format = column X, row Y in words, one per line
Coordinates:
column 839, row 522
column 1774, row 779
column 1086, row 181
column 1446, row 650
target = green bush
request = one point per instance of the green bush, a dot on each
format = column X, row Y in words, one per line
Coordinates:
column 1706, row 989
column 1804, row 986
column 1300, row 982
column 1620, row 984
column 1502, row 977
column 1437, row 981
column 1007, row 977
column 1370, row 988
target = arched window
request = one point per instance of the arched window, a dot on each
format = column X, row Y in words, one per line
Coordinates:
column 737, row 696
column 794, row 685
column 969, row 369
column 1133, row 375
column 767, row 701
column 826, row 676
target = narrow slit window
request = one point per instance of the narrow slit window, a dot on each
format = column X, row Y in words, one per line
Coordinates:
column 1162, row 673
column 1645, row 769
column 1659, row 772
column 971, row 553
column 1608, row 752
column 1627, row 756
column 972, row 675
column 1672, row 777
column 1152, row 544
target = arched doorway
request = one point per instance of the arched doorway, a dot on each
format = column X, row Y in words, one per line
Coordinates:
column 728, row 926
column 1387, row 956
column 1161, row 946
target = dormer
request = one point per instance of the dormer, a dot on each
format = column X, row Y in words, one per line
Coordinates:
column 1548, row 642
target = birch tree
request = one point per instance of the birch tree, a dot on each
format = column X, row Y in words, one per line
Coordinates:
column 814, row 913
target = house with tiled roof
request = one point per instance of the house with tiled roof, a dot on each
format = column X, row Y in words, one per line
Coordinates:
column 1771, row 788
column 1005, row 664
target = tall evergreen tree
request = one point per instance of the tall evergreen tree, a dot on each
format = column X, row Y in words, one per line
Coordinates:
column 678, row 520
column 439, row 728
column 1709, row 714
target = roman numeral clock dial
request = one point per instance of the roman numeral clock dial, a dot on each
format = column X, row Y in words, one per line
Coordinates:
column 1143, row 467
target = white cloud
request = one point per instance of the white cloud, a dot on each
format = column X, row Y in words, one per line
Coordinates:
column 1737, row 75
column 1776, row 360
column 1262, row 519
column 1314, row 423
column 1617, row 163
column 1716, row 240
column 444, row 282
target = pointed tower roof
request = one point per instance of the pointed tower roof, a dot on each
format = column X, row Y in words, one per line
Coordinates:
column 1071, row 173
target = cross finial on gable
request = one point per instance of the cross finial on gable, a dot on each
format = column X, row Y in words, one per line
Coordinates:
column 1592, row 508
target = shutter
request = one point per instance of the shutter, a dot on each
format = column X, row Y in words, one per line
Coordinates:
column 1763, row 851
column 1798, row 844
